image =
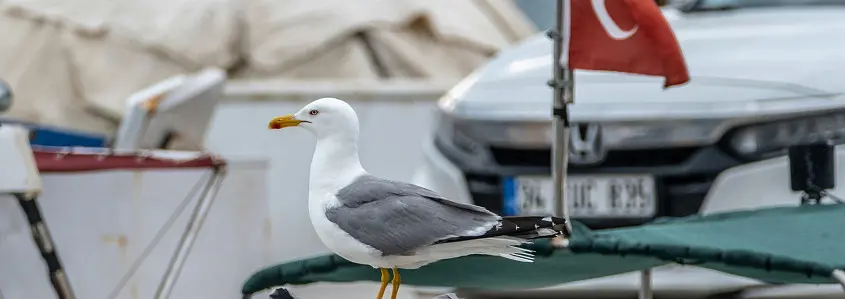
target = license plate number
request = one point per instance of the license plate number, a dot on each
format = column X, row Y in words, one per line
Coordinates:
column 593, row 196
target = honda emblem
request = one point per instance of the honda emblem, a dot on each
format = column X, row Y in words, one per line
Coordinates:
column 586, row 144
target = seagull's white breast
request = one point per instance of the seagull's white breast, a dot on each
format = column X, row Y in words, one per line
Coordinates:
column 337, row 240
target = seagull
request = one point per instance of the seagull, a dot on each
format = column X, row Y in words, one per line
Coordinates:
column 281, row 293
column 395, row 225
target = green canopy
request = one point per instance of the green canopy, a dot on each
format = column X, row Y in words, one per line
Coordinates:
column 778, row 245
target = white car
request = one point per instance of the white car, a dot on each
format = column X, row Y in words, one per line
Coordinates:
column 765, row 75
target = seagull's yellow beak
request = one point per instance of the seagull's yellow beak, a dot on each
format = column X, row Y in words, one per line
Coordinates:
column 283, row 122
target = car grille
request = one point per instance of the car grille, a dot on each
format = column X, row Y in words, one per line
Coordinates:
column 486, row 191
column 621, row 158
column 683, row 195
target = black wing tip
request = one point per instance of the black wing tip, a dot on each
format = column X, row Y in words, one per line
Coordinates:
column 561, row 225
column 525, row 227
column 558, row 224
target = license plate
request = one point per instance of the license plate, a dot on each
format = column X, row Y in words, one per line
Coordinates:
column 587, row 196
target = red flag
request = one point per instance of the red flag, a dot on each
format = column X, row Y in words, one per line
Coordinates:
column 629, row 36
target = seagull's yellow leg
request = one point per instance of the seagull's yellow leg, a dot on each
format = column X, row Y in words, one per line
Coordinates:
column 384, row 279
column 396, row 281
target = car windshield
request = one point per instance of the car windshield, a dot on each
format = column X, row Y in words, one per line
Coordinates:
column 542, row 13
column 698, row 5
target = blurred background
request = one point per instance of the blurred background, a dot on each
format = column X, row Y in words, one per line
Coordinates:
column 451, row 94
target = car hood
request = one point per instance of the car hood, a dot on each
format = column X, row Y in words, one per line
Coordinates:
column 743, row 62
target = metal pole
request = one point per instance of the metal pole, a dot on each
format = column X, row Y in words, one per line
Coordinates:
column 645, row 284
column 44, row 241
column 190, row 235
column 562, row 84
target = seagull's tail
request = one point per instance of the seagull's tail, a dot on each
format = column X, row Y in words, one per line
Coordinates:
column 506, row 247
column 505, row 238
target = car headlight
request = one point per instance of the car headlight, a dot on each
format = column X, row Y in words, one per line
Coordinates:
column 449, row 100
column 772, row 139
column 450, row 132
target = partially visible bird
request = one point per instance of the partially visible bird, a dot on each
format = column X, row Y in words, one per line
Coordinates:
column 389, row 224
column 281, row 293
column 5, row 96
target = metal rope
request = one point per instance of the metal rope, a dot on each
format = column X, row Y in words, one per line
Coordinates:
column 160, row 234
column 189, row 236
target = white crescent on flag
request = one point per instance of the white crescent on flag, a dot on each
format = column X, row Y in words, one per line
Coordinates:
column 610, row 26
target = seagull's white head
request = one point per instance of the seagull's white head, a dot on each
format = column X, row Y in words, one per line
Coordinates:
column 323, row 117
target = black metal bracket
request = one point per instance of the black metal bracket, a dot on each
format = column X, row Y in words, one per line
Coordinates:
column 812, row 170
column 553, row 35
column 560, row 84
column 560, row 112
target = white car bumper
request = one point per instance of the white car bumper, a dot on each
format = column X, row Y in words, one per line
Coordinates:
column 761, row 184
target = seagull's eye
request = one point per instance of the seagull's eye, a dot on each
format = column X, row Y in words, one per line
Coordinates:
column 313, row 112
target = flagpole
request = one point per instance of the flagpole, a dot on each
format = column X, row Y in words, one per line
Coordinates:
column 562, row 84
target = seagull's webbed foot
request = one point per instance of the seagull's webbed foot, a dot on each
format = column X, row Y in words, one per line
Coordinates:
column 396, row 281
column 385, row 278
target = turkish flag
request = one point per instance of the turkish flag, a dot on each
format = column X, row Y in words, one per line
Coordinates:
column 629, row 36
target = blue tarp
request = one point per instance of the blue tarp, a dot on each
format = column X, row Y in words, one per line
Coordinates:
column 52, row 136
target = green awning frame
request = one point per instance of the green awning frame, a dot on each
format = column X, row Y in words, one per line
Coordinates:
column 804, row 244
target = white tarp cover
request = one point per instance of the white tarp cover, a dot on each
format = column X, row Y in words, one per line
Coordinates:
column 73, row 62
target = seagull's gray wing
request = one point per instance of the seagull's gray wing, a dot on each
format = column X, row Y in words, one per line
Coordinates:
column 396, row 218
